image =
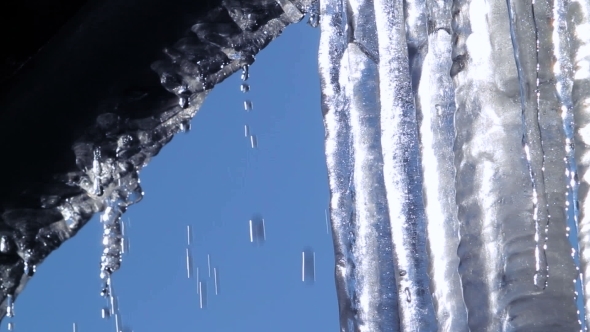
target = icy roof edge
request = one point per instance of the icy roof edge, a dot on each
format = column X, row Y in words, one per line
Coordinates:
column 110, row 153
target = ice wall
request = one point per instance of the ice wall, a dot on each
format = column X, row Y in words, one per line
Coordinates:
column 455, row 131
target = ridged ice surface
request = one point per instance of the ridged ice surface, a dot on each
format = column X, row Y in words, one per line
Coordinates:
column 468, row 122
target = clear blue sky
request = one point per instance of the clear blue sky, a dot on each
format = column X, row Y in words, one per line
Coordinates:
column 210, row 178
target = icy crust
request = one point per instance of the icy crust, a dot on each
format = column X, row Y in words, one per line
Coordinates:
column 110, row 153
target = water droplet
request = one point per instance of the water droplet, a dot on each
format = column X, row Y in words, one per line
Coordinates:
column 408, row 295
column 29, row 269
column 246, row 131
column 104, row 292
column 248, row 105
column 245, row 73
column 74, row 327
column 9, row 305
column 402, row 273
column 10, row 326
column 244, row 87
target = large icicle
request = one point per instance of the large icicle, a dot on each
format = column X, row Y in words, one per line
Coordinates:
column 578, row 17
column 402, row 169
column 375, row 277
column 367, row 289
column 435, row 103
column 499, row 189
column 338, row 156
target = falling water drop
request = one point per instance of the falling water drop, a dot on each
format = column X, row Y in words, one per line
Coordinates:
column 246, row 131
column 189, row 235
column 10, row 305
column 253, row 141
column 245, row 73
column 215, row 280
column 308, row 266
column 189, row 263
column 105, row 313
column 74, row 327
column 202, row 294
column 10, row 326
column 209, row 264
column 244, row 87
column 257, row 230
column 248, row 105
column 183, row 102
column 198, row 282
column 29, row 269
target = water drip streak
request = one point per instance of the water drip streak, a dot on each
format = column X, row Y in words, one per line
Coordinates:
column 402, row 168
column 338, row 157
column 520, row 28
column 493, row 188
column 563, row 71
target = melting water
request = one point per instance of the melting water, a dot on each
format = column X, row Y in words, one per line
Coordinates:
column 248, row 105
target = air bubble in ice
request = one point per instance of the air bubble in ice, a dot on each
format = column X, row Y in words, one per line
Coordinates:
column 408, row 295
